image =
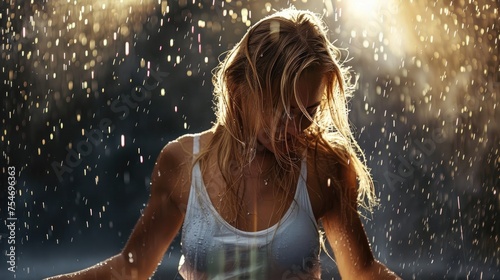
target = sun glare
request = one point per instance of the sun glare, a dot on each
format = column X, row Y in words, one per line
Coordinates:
column 363, row 8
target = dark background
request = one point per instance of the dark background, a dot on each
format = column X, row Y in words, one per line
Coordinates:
column 426, row 112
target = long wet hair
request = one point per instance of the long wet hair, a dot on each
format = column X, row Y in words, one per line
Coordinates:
column 258, row 78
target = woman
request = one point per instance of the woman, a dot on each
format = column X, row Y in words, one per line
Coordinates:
column 281, row 159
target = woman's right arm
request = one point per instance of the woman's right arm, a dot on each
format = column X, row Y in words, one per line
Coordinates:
column 156, row 228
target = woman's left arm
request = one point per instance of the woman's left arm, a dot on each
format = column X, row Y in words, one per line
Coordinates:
column 347, row 237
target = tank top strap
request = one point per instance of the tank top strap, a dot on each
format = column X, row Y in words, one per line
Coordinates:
column 195, row 182
column 302, row 195
column 196, row 144
column 196, row 172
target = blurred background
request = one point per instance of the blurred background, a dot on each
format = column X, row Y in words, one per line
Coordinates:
column 92, row 90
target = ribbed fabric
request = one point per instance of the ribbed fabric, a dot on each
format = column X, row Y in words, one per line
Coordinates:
column 213, row 249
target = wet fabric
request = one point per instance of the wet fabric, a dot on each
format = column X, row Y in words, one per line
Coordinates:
column 213, row 249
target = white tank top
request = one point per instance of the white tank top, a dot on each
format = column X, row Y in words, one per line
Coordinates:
column 213, row 249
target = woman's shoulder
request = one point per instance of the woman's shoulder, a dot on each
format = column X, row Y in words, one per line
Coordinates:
column 172, row 171
column 328, row 176
column 323, row 164
column 176, row 157
column 180, row 150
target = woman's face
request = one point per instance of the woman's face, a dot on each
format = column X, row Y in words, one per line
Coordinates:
column 310, row 88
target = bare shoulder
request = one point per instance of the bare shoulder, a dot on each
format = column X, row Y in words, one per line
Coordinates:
column 180, row 150
column 328, row 179
column 172, row 171
column 323, row 169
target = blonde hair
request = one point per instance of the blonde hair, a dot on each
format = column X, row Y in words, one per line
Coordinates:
column 259, row 77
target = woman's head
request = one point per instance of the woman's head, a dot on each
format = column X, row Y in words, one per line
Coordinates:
column 268, row 86
column 282, row 88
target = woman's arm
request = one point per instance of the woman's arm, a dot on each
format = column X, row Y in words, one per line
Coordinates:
column 347, row 237
column 157, row 226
